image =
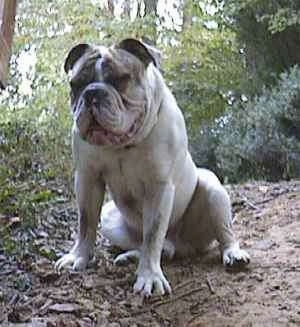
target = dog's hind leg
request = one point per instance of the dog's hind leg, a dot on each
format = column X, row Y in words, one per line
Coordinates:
column 219, row 210
column 116, row 230
column 209, row 218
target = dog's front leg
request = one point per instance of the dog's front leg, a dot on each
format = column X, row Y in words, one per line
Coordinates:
column 156, row 216
column 89, row 196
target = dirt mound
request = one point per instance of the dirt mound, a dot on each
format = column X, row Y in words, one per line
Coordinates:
column 267, row 222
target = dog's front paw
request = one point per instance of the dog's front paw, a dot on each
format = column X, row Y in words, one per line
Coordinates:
column 77, row 259
column 234, row 256
column 71, row 259
column 148, row 280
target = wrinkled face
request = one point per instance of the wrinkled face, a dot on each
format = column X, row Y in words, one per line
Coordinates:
column 108, row 95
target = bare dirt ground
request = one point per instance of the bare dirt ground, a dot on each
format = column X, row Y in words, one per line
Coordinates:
column 267, row 293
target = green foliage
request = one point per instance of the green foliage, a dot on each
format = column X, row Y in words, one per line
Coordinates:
column 202, row 64
column 278, row 15
column 203, row 146
column 283, row 19
column 269, row 32
column 202, row 68
column 259, row 139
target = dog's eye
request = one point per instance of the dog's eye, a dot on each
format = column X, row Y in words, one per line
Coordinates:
column 76, row 86
column 121, row 82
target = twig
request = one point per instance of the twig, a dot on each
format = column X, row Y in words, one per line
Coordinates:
column 267, row 199
column 178, row 297
column 194, row 318
column 184, row 284
column 44, row 307
column 208, row 282
column 14, row 299
column 250, row 204
column 167, row 301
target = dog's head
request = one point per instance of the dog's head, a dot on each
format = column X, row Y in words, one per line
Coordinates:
column 108, row 89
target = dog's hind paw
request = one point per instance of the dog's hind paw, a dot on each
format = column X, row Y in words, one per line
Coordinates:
column 127, row 256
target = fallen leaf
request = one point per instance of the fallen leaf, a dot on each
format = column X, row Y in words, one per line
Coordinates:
column 263, row 189
column 45, row 306
column 64, row 308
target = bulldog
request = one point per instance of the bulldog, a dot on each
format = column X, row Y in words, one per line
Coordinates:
column 129, row 138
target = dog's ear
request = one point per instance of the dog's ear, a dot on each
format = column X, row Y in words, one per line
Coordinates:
column 141, row 50
column 75, row 53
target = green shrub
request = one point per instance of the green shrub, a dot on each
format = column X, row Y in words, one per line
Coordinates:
column 268, row 32
column 261, row 138
column 203, row 146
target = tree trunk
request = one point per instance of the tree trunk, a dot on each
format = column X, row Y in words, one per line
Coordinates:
column 150, row 7
column 7, row 19
column 111, row 7
column 127, row 8
column 187, row 13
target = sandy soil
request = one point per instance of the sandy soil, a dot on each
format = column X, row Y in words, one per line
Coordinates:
column 267, row 293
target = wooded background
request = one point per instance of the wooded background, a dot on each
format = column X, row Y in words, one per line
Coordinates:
column 232, row 65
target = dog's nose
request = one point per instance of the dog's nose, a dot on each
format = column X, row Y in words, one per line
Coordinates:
column 94, row 96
